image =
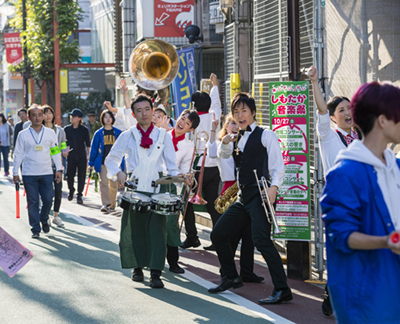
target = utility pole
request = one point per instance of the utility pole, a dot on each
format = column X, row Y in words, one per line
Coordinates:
column 57, row 97
column 25, row 75
column 298, row 252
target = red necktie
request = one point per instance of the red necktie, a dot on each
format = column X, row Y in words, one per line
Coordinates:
column 146, row 140
column 176, row 140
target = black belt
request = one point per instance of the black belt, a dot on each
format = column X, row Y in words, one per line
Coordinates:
column 248, row 186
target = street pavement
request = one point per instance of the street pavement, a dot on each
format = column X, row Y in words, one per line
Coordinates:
column 75, row 277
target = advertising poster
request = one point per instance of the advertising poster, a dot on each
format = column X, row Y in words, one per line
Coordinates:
column 289, row 118
column 13, row 48
column 184, row 84
column 172, row 16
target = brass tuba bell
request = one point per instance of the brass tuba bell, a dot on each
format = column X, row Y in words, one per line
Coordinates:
column 153, row 64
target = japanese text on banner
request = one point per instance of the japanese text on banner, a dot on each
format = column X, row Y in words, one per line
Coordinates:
column 184, row 84
column 289, row 118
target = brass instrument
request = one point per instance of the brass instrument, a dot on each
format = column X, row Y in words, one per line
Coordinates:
column 153, row 64
column 191, row 179
column 270, row 212
column 222, row 203
column 196, row 198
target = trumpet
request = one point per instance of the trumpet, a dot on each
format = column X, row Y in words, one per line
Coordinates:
column 269, row 212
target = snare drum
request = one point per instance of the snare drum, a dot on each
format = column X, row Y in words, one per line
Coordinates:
column 165, row 204
column 140, row 202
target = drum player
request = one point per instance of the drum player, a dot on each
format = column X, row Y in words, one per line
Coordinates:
column 245, row 149
column 184, row 149
column 146, row 148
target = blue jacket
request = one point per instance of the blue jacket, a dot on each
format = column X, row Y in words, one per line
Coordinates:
column 364, row 285
column 97, row 149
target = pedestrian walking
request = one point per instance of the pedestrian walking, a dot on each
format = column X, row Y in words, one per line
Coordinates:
column 19, row 126
column 36, row 148
column 49, row 122
column 6, row 133
column 93, row 125
column 360, row 206
column 78, row 141
column 102, row 143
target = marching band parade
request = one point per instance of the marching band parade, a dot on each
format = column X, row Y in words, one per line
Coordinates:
column 220, row 192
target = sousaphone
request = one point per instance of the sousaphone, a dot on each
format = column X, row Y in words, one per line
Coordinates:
column 153, row 64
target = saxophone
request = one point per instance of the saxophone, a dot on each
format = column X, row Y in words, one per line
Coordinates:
column 222, row 203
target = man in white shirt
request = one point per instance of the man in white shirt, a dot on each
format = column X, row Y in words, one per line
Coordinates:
column 254, row 149
column 209, row 108
column 35, row 148
column 143, row 233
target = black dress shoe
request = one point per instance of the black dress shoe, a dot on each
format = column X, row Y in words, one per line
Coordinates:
column 226, row 284
column 79, row 200
column 137, row 275
column 156, row 282
column 278, row 296
column 176, row 269
column 187, row 244
column 326, row 305
column 70, row 196
column 209, row 248
column 254, row 279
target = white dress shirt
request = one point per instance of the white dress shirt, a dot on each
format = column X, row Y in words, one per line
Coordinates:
column 269, row 140
column 329, row 141
column 126, row 116
column 36, row 162
column 183, row 155
column 206, row 124
column 125, row 145
column 226, row 166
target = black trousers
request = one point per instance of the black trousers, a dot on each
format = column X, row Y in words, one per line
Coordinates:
column 57, row 194
column 211, row 181
column 246, row 251
column 172, row 255
column 72, row 166
column 247, row 209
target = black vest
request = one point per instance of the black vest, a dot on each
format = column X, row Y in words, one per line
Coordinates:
column 255, row 156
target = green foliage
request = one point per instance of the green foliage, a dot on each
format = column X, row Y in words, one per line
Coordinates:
column 39, row 35
column 93, row 102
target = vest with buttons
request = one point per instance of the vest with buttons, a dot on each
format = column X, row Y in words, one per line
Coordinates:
column 255, row 156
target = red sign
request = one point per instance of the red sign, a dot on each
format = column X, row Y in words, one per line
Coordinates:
column 13, row 48
column 172, row 16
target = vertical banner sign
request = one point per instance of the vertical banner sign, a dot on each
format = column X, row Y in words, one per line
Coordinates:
column 13, row 48
column 184, row 84
column 172, row 16
column 289, row 118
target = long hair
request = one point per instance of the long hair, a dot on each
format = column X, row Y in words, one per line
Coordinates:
column 48, row 108
column 223, row 131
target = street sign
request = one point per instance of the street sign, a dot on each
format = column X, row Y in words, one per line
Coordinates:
column 82, row 81
column 171, row 17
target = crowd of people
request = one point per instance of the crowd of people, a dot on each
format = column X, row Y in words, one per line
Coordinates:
column 359, row 203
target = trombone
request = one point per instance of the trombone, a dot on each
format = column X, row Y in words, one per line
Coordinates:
column 196, row 198
column 269, row 212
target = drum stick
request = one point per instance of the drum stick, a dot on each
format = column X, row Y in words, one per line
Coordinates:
column 17, row 198
column 88, row 181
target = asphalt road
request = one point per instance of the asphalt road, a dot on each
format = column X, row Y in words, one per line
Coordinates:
column 75, row 277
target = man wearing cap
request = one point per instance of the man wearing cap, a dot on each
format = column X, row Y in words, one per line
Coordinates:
column 161, row 119
column 93, row 125
column 78, row 141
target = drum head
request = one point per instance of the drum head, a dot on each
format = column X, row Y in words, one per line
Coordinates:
column 135, row 197
column 165, row 198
